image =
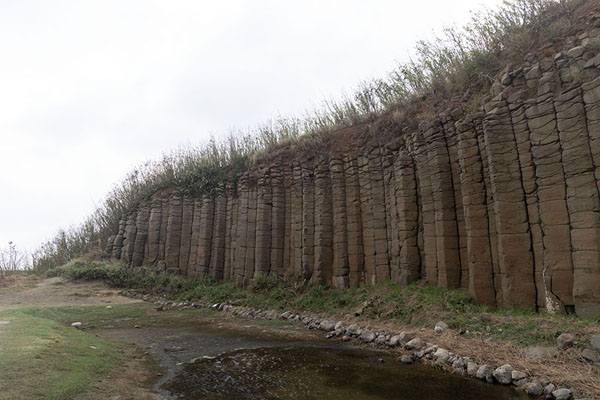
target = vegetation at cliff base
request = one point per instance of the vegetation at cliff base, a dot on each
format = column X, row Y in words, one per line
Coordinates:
column 416, row 305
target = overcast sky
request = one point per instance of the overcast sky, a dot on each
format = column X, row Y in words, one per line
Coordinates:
column 90, row 89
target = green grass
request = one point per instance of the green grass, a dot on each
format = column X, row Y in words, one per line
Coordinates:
column 42, row 357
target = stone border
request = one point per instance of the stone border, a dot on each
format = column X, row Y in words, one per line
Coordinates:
column 413, row 348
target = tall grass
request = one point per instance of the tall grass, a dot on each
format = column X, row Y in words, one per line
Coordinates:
column 458, row 60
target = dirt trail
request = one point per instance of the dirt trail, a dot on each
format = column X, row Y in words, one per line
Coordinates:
column 27, row 291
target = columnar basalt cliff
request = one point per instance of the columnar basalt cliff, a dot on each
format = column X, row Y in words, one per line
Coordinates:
column 502, row 199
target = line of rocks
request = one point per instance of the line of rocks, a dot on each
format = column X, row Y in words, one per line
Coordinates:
column 414, row 348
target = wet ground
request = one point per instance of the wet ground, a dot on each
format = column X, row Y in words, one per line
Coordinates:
column 232, row 358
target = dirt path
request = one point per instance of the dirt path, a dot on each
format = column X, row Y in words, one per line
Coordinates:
column 27, row 291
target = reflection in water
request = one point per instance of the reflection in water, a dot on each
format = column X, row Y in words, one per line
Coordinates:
column 305, row 373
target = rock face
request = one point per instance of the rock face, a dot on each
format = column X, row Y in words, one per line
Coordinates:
column 501, row 200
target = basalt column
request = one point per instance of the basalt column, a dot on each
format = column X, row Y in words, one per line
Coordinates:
column 141, row 223
column 323, row 264
column 378, row 222
column 187, row 220
column 205, row 236
column 512, row 226
column 554, row 216
column 279, row 233
column 264, row 207
column 427, row 215
column 118, row 243
column 448, row 257
column 354, row 230
column 583, row 200
column 153, row 242
column 219, row 234
column 250, row 260
column 173, row 241
column 308, row 221
column 129, row 238
column 367, row 219
column 479, row 254
column 239, row 251
column 405, row 191
column 340, row 224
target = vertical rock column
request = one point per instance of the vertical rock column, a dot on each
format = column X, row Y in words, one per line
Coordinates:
column 367, row 218
column 173, row 241
column 340, row 225
column 118, row 243
column 308, row 221
column 323, row 264
column 230, row 229
column 151, row 257
column 583, row 201
column 452, row 144
column 296, row 229
column 391, row 208
column 407, row 209
column 195, row 239
column 129, row 238
column 522, row 137
column 219, row 234
column 515, row 259
column 264, row 207
column 250, row 261
column 448, row 257
column 554, row 216
column 187, row 220
column 423, row 173
column 354, row 223
column 479, row 254
column 242, row 225
column 141, row 224
column 379, row 223
column 205, row 236
column 279, row 233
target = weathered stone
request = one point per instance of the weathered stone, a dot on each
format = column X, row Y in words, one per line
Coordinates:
column 414, row 344
column 440, row 327
column 367, row 336
column 562, row 394
column 595, row 342
column 502, row 376
column 565, row 340
column 591, row 355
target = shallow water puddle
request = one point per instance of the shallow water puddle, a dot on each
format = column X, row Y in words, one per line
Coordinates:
column 323, row 373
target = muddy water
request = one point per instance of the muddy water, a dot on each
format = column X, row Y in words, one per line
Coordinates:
column 313, row 372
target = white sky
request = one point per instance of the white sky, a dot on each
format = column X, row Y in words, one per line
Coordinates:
column 90, row 89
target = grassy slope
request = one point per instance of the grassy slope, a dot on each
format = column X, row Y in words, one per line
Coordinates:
column 42, row 358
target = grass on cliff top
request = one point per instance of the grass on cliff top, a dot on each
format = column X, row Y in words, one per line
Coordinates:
column 43, row 358
column 416, row 305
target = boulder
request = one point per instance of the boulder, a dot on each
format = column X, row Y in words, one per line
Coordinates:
column 414, row 344
column 591, row 355
column 540, row 352
column 502, row 375
column 595, row 342
column 353, row 330
column 565, row 341
column 472, row 368
column 367, row 336
column 440, row 327
column 562, row 394
column 534, row 389
column 484, row 372
column 327, row 325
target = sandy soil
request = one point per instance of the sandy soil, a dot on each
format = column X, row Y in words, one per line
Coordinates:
column 26, row 291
